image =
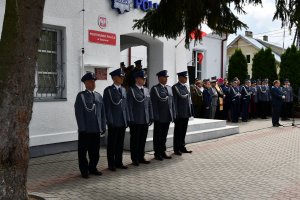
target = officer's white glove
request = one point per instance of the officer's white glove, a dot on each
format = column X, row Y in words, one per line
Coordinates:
column 283, row 97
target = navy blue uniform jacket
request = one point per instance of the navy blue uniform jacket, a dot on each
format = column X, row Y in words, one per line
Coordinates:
column 93, row 121
column 139, row 105
column 116, row 108
column 276, row 96
column 163, row 103
column 182, row 101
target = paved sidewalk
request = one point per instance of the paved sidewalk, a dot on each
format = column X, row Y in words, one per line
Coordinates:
column 262, row 164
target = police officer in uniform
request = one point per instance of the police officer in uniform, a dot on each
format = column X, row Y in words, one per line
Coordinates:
column 117, row 117
column 90, row 117
column 206, row 98
column 235, row 96
column 246, row 93
column 258, row 108
column 183, row 107
column 288, row 101
column 141, row 117
column 254, row 100
column 264, row 98
column 138, row 67
column 221, row 97
column 227, row 101
column 214, row 98
column 197, row 98
column 164, row 113
column 277, row 99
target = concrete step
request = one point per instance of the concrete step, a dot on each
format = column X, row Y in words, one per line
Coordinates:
column 194, row 125
column 198, row 130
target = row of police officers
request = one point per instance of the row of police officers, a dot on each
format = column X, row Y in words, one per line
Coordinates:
column 219, row 99
column 136, row 108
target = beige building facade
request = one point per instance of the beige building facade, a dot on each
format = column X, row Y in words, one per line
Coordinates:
column 250, row 46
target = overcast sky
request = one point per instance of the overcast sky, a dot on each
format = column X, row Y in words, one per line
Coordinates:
column 259, row 21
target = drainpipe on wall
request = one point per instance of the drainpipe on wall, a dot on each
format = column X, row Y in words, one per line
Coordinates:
column 222, row 54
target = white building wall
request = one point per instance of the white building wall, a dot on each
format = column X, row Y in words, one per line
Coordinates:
column 54, row 122
column 211, row 47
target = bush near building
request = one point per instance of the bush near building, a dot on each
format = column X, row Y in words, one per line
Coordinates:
column 290, row 67
column 237, row 66
column 264, row 65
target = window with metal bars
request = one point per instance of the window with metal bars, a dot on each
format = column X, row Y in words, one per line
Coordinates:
column 197, row 63
column 49, row 76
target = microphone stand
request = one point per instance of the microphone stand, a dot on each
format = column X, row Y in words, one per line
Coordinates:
column 293, row 113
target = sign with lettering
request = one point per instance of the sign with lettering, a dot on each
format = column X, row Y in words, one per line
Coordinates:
column 121, row 5
column 145, row 5
column 101, row 73
column 100, row 37
column 124, row 5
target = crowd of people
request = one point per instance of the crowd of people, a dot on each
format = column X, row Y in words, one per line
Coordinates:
column 129, row 103
column 231, row 101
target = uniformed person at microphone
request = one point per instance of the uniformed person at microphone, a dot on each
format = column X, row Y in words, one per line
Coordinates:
column 90, row 117
column 277, row 100
column 115, row 101
column 141, row 117
column 183, row 107
column 164, row 113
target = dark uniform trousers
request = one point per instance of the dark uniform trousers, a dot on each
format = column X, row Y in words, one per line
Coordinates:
column 160, row 134
column 138, row 136
column 275, row 114
column 235, row 110
column 181, row 125
column 264, row 108
column 88, row 143
column 245, row 109
column 277, row 101
column 115, row 143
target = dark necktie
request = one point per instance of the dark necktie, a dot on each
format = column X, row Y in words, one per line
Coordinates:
column 120, row 91
column 142, row 90
column 166, row 89
column 93, row 96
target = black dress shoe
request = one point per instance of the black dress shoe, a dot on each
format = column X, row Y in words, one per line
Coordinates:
column 85, row 175
column 97, row 173
column 164, row 155
column 186, row 151
column 113, row 169
column 135, row 163
column 279, row 124
column 158, row 158
column 121, row 167
column 275, row 125
column 178, row 153
column 144, row 161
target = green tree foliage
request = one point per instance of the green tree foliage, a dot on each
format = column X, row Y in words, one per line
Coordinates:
column 257, row 66
column 238, row 66
column 173, row 17
column 289, row 13
column 290, row 67
column 264, row 65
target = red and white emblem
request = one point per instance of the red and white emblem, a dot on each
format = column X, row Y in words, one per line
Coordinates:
column 102, row 22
